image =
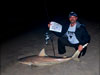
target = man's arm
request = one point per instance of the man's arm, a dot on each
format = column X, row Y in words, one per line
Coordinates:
column 85, row 38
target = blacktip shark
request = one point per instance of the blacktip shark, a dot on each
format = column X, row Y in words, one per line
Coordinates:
column 43, row 59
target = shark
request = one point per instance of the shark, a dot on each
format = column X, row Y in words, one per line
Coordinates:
column 42, row 59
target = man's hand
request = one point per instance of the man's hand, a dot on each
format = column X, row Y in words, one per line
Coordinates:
column 49, row 25
column 80, row 48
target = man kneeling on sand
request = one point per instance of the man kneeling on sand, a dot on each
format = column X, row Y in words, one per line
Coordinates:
column 74, row 35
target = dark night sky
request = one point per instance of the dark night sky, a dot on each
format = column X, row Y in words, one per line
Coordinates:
column 23, row 16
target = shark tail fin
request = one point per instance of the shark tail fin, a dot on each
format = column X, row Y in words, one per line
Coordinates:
column 42, row 53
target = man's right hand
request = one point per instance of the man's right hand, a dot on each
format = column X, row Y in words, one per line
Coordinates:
column 49, row 25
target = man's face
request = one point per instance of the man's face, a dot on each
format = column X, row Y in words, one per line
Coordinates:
column 73, row 19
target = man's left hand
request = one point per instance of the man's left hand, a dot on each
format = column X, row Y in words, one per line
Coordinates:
column 80, row 48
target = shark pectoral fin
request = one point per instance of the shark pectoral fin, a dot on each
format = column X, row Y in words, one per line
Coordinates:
column 42, row 53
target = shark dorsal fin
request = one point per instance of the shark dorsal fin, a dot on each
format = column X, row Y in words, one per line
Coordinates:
column 42, row 53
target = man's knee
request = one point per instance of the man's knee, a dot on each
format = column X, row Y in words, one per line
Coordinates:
column 63, row 41
column 59, row 41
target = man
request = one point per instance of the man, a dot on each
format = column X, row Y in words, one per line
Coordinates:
column 74, row 35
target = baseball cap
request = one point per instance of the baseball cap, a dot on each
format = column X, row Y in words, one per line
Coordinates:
column 72, row 14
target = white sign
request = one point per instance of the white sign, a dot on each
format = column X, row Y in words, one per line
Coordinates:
column 55, row 27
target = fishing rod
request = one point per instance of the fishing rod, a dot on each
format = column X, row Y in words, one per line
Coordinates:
column 47, row 36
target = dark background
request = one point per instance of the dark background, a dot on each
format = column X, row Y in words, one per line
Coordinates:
column 23, row 16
